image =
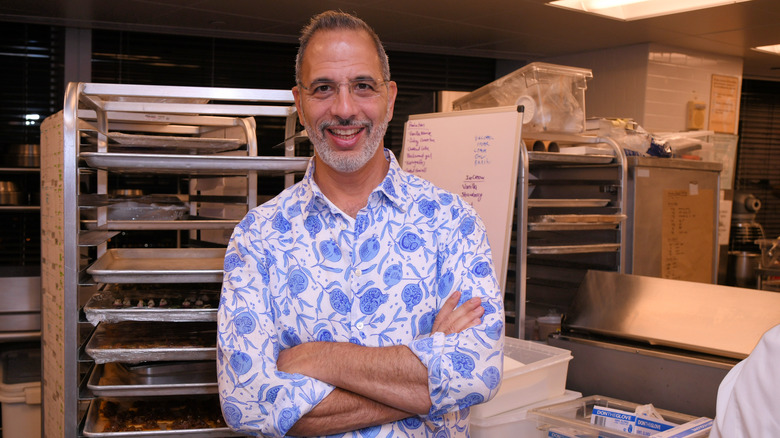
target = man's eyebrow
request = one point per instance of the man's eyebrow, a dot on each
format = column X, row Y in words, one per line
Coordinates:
column 356, row 78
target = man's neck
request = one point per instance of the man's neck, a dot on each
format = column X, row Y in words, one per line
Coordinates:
column 350, row 191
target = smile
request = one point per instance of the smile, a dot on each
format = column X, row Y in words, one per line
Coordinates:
column 344, row 133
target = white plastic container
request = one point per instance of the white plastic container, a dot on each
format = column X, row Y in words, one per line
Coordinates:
column 576, row 415
column 21, row 402
column 553, row 96
column 515, row 423
column 543, row 376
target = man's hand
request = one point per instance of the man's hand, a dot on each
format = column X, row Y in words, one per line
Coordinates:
column 450, row 320
column 391, row 381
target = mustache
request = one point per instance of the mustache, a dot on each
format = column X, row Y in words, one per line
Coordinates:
column 345, row 123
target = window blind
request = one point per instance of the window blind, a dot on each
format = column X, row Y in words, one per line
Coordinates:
column 758, row 153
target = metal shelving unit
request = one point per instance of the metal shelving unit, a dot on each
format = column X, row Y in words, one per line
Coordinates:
column 193, row 134
column 570, row 218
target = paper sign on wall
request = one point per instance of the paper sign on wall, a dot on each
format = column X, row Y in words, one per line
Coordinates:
column 687, row 235
column 724, row 102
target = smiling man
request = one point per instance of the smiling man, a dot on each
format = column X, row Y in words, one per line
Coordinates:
column 361, row 301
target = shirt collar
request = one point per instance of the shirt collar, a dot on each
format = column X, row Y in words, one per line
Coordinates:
column 393, row 187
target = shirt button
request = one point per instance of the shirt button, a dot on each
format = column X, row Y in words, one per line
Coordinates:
column 343, row 226
column 358, row 272
column 359, row 326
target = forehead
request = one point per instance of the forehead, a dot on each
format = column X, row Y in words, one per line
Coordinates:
column 337, row 54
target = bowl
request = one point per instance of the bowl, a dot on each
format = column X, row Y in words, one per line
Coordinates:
column 9, row 193
column 23, row 155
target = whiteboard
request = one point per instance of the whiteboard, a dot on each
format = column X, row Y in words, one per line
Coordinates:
column 475, row 154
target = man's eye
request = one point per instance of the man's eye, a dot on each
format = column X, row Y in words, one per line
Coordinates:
column 323, row 89
column 364, row 86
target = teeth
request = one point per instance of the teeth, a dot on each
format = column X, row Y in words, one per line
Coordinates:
column 345, row 132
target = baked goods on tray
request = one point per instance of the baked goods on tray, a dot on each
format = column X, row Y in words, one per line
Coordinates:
column 192, row 413
column 154, row 302
column 134, row 342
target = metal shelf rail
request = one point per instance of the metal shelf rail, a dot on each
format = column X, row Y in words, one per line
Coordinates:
column 86, row 128
column 563, row 161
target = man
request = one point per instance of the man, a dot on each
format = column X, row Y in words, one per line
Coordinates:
column 361, row 301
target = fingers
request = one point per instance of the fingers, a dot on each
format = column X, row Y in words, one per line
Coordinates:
column 454, row 320
column 451, row 302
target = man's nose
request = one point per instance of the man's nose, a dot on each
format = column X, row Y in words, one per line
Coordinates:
column 344, row 105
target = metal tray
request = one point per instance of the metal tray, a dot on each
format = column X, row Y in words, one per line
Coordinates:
column 159, row 265
column 153, row 379
column 172, row 303
column 196, row 144
column 179, row 224
column 195, row 164
column 566, row 222
column 538, row 202
column 134, row 342
column 166, row 409
column 574, row 249
column 562, row 158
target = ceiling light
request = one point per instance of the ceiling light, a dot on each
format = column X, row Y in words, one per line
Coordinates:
column 774, row 49
column 628, row 10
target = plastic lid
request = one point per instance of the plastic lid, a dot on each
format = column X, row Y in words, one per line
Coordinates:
column 21, row 365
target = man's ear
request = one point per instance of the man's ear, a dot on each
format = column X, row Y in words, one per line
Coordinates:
column 392, row 92
column 298, row 106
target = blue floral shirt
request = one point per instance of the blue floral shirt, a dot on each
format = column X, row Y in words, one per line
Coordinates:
column 297, row 269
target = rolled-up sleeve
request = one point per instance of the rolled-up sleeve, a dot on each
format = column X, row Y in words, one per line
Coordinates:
column 465, row 368
column 255, row 397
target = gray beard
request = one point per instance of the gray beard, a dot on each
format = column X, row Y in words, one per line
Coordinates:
column 348, row 163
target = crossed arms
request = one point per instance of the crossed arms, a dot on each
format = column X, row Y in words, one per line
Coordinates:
column 374, row 385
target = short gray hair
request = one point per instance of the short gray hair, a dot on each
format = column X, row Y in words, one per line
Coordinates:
column 337, row 20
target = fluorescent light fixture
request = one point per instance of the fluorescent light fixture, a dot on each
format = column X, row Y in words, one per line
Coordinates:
column 628, row 10
column 30, row 119
column 773, row 49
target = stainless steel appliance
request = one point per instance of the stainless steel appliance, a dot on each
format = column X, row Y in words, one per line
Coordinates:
column 744, row 253
column 661, row 341
column 672, row 221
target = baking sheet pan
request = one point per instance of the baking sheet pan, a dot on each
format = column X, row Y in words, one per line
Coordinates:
column 179, row 224
column 199, row 144
column 565, row 222
column 143, row 302
column 153, row 379
column 159, row 265
column 538, row 202
column 562, row 158
column 135, row 342
column 574, row 249
column 162, row 412
column 195, row 164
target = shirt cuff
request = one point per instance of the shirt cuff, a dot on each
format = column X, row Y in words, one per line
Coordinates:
column 430, row 350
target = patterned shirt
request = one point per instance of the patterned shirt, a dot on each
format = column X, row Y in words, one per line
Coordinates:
column 297, row 269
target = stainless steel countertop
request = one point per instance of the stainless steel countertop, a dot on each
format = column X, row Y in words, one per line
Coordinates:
column 721, row 320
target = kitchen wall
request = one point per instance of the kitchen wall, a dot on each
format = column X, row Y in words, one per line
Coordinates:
column 651, row 83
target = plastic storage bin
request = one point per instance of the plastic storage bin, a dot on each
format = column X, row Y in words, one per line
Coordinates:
column 543, row 376
column 553, row 96
column 20, row 392
column 576, row 414
column 515, row 423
